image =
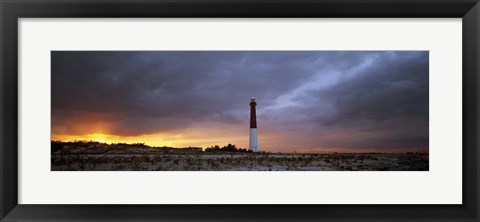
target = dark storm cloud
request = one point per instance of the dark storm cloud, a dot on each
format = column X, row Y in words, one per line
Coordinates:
column 384, row 100
column 381, row 96
column 151, row 85
column 391, row 100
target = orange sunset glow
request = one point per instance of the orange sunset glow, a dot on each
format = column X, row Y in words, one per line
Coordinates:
column 158, row 140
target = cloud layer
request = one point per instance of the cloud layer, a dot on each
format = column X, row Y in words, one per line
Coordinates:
column 344, row 100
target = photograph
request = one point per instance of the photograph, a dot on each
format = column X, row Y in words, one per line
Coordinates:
column 239, row 110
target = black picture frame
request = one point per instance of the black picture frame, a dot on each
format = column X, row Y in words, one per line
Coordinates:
column 12, row 10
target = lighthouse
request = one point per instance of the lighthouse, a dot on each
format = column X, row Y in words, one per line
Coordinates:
column 253, row 144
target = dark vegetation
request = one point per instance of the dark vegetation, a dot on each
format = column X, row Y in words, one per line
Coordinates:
column 88, row 147
column 90, row 155
column 228, row 148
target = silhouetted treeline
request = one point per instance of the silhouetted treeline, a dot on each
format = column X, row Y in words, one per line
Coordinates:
column 95, row 147
column 132, row 144
column 229, row 148
column 88, row 143
column 58, row 145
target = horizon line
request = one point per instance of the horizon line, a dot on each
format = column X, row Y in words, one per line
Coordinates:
column 424, row 150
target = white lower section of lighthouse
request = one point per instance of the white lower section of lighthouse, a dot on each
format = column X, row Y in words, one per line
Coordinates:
column 253, row 145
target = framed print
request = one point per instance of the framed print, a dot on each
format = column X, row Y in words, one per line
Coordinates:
column 206, row 110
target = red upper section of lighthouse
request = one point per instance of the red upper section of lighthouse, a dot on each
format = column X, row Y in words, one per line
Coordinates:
column 253, row 115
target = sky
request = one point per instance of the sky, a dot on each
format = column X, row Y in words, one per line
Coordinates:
column 307, row 101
